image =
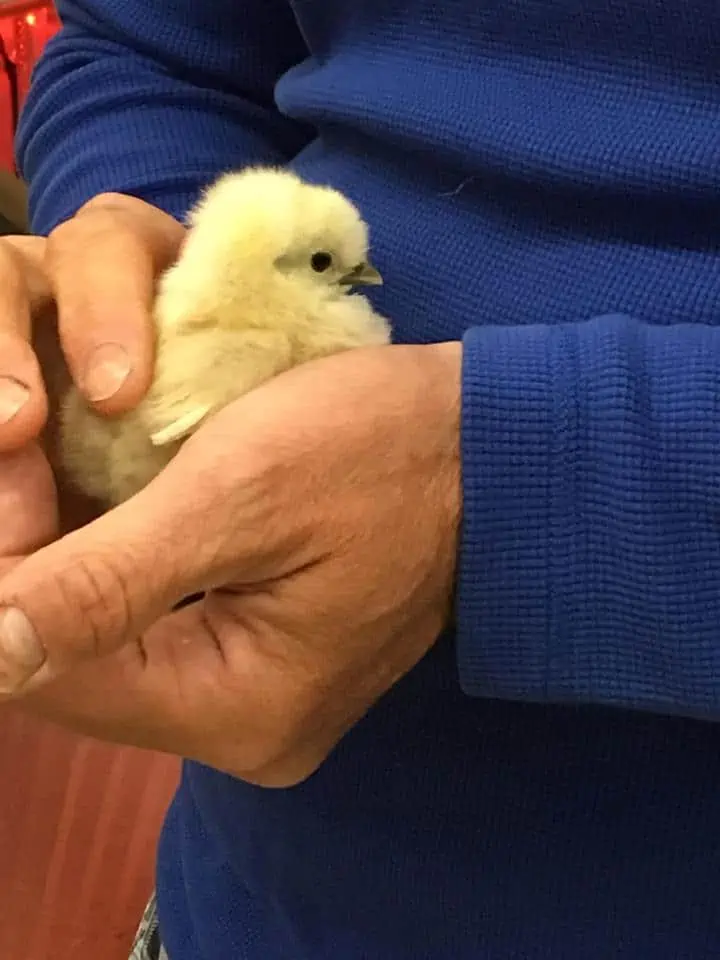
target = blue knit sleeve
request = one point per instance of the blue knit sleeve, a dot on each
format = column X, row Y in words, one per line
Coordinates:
column 154, row 99
column 590, row 557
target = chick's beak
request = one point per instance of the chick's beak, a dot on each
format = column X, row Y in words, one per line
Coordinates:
column 364, row 274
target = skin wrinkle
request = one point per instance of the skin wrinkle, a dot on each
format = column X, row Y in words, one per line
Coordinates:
column 253, row 678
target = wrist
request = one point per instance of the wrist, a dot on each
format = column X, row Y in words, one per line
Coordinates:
column 443, row 388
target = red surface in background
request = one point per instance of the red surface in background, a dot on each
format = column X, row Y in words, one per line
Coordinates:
column 7, row 110
column 79, row 823
column 25, row 28
column 79, row 820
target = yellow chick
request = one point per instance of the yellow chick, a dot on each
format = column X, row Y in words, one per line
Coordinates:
column 263, row 283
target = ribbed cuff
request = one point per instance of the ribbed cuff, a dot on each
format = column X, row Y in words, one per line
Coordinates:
column 516, row 424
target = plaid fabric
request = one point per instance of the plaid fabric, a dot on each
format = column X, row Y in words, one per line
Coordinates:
column 147, row 944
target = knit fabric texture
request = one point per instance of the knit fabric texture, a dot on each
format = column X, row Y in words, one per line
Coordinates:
column 542, row 180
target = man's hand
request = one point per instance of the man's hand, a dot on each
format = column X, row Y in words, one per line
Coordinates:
column 102, row 266
column 28, row 507
column 80, row 301
column 320, row 512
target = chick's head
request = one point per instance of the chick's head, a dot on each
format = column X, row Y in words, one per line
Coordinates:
column 263, row 221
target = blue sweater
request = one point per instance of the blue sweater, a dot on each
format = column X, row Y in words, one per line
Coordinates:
column 542, row 179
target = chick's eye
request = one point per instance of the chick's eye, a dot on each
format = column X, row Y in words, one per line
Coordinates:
column 321, row 261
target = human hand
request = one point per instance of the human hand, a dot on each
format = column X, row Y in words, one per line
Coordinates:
column 320, row 512
column 102, row 266
column 28, row 508
column 84, row 293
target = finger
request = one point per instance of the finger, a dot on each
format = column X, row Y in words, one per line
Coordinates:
column 104, row 265
column 23, row 401
column 100, row 587
column 28, row 505
column 32, row 252
column 210, row 513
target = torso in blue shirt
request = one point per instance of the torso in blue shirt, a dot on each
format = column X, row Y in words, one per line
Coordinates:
column 519, row 161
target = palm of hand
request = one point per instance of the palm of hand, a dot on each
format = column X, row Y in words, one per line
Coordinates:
column 324, row 531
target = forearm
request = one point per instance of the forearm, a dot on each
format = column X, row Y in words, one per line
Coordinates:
column 590, row 564
column 127, row 99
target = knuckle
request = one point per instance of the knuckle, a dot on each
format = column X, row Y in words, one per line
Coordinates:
column 11, row 260
column 25, row 257
column 116, row 222
column 7, row 248
column 98, row 216
column 111, row 200
column 95, row 590
column 134, row 213
column 58, row 240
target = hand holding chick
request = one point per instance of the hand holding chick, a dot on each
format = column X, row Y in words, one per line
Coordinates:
column 263, row 283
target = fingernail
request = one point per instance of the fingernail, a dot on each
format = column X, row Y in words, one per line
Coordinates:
column 13, row 396
column 107, row 370
column 21, row 653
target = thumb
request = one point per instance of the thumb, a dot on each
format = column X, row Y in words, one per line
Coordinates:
column 100, row 587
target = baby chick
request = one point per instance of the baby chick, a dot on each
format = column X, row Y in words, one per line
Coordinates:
column 262, row 283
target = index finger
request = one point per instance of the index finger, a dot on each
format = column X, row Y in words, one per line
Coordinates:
column 23, row 288
column 103, row 265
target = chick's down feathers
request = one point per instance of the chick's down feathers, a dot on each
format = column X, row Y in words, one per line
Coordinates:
column 263, row 283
